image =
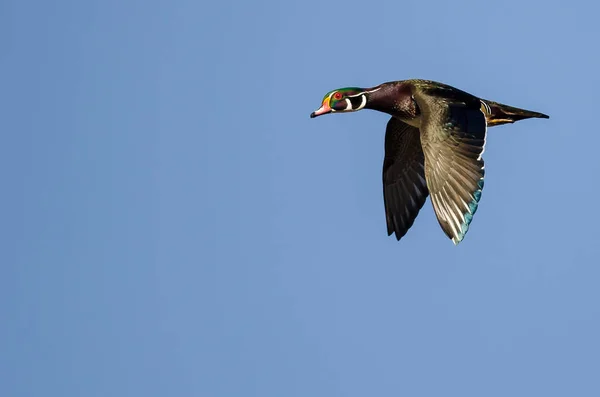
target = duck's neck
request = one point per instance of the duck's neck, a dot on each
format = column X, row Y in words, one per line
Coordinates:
column 394, row 99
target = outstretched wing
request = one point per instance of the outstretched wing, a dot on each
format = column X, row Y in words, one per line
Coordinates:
column 453, row 132
column 404, row 185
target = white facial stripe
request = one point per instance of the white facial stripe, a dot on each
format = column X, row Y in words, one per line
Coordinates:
column 348, row 105
column 363, row 103
column 364, row 92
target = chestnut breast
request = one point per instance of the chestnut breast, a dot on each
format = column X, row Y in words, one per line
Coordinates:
column 396, row 100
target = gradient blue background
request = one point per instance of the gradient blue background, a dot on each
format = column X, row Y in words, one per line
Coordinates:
column 174, row 224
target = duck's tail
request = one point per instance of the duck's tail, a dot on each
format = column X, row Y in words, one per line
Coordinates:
column 498, row 114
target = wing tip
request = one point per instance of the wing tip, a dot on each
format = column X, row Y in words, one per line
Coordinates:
column 397, row 234
column 473, row 205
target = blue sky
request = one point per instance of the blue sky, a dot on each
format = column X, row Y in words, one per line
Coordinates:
column 174, row 223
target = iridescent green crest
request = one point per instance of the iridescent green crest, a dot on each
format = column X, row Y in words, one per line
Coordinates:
column 340, row 94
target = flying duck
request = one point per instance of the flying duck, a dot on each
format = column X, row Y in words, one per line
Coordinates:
column 434, row 144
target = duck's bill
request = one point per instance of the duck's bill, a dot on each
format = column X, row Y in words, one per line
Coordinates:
column 324, row 109
column 321, row 111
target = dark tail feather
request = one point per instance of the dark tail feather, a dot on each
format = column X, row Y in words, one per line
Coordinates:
column 503, row 114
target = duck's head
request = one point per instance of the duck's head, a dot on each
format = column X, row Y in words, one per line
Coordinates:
column 342, row 100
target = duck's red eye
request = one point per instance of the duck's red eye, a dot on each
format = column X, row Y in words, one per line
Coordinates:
column 337, row 96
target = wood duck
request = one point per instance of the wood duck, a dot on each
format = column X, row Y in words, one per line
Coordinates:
column 434, row 144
